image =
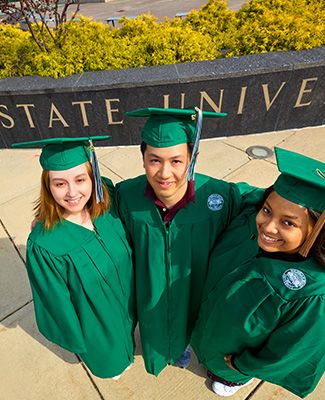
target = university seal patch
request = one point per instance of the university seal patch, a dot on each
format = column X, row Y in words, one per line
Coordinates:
column 215, row 202
column 294, row 279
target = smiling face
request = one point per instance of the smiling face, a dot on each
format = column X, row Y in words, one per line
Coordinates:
column 71, row 189
column 282, row 225
column 166, row 170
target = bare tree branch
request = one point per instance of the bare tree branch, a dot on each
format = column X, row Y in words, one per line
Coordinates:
column 41, row 17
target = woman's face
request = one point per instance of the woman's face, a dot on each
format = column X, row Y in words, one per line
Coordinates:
column 282, row 225
column 71, row 188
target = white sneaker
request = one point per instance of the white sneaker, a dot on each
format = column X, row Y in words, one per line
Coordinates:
column 226, row 391
column 117, row 377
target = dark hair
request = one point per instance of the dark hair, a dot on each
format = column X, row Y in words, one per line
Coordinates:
column 143, row 147
column 318, row 249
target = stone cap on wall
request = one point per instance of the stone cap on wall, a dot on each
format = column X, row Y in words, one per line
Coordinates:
column 260, row 93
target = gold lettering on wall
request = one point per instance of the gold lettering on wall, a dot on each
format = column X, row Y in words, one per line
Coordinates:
column 302, row 91
column 268, row 101
column 27, row 112
column 212, row 104
column 242, row 99
column 7, row 117
column 111, row 110
column 59, row 117
column 182, row 100
column 83, row 110
column 166, row 100
column 263, row 96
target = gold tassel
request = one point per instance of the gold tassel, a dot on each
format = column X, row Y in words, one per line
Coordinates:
column 305, row 248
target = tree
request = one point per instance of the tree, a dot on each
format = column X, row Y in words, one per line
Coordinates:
column 43, row 18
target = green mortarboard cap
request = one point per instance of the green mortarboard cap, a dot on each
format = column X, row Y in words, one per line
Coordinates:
column 169, row 126
column 59, row 154
column 302, row 179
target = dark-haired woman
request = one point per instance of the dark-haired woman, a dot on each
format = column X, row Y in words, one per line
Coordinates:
column 263, row 312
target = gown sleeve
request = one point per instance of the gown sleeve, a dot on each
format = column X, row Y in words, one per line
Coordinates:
column 250, row 195
column 55, row 314
column 242, row 197
column 293, row 356
column 109, row 186
column 118, row 199
column 122, row 213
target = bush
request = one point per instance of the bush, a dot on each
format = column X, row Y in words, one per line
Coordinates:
column 92, row 46
column 20, row 55
column 87, row 46
column 79, row 46
column 273, row 25
column 216, row 20
column 14, row 47
column 151, row 43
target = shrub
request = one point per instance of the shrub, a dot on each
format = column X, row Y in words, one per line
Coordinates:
column 85, row 45
column 151, row 43
column 13, row 49
column 92, row 46
column 216, row 20
column 273, row 25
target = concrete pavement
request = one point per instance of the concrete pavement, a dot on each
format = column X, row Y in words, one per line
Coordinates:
column 159, row 8
column 31, row 368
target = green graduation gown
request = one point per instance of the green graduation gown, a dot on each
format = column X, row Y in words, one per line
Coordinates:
column 82, row 284
column 171, row 261
column 266, row 309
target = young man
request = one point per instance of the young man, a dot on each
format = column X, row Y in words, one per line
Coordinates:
column 173, row 221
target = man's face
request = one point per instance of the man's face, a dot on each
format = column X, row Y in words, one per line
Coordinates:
column 166, row 170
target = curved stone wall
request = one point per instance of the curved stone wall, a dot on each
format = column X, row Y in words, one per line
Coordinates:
column 260, row 93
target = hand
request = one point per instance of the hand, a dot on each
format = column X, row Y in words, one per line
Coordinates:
column 228, row 361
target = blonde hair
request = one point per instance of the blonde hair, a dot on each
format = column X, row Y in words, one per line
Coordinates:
column 50, row 212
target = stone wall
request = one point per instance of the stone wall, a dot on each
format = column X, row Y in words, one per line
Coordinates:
column 260, row 93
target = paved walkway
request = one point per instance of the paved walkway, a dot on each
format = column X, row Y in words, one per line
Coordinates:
column 159, row 8
column 31, row 368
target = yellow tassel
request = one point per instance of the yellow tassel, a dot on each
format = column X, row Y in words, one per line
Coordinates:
column 305, row 248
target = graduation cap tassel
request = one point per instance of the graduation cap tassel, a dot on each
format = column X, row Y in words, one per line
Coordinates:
column 197, row 135
column 96, row 174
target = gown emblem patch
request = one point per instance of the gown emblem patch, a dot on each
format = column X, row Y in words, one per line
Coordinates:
column 294, row 279
column 215, row 202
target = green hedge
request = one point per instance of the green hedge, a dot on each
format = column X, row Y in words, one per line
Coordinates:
column 274, row 25
column 215, row 20
column 259, row 26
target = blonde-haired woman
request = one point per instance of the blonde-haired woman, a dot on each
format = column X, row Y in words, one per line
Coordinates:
column 79, row 260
